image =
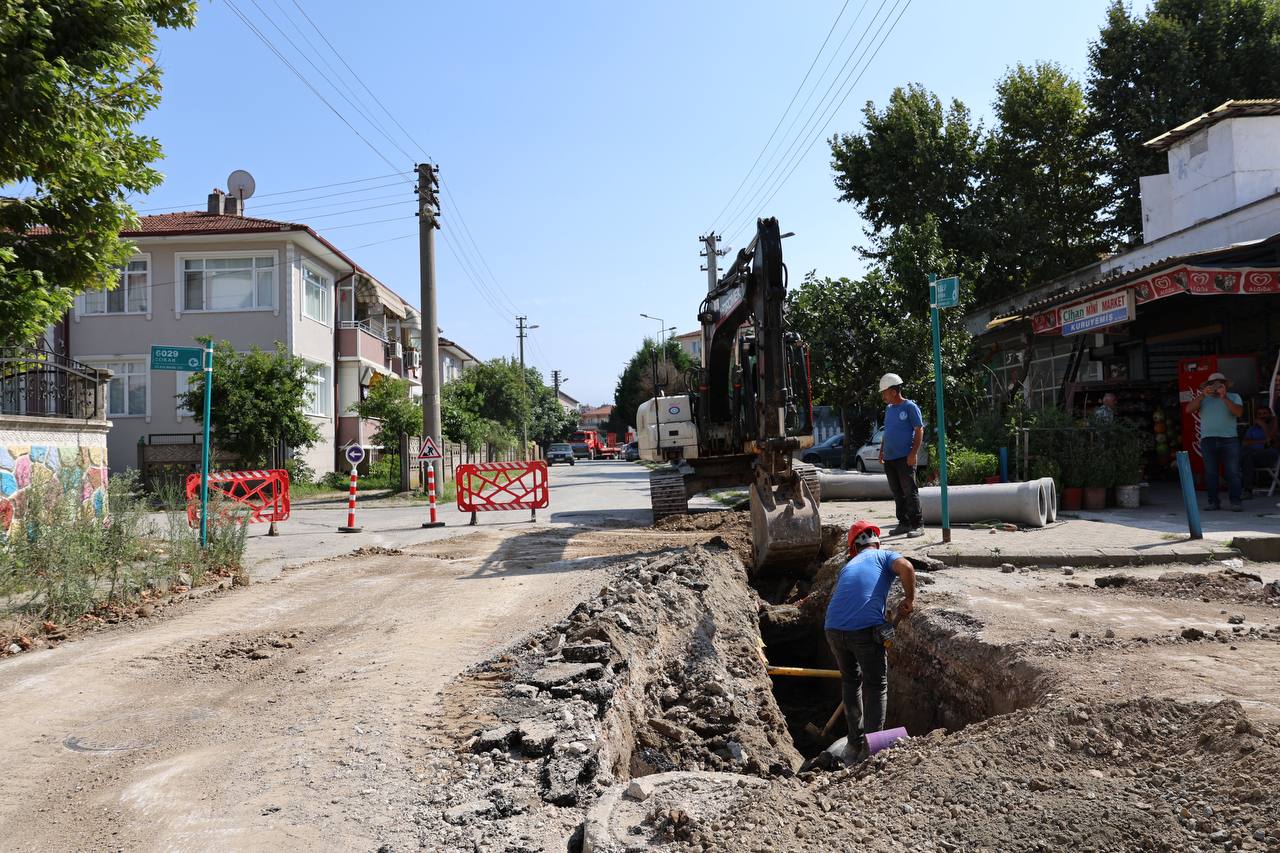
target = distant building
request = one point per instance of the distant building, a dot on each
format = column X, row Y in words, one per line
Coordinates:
column 569, row 403
column 691, row 342
column 595, row 417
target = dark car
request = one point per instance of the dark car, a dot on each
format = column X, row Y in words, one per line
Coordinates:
column 631, row 453
column 559, row 453
column 828, row 454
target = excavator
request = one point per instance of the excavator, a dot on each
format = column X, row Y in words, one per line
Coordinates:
column 747, row 409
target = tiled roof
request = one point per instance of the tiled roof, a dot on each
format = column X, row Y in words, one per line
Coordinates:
column 1226, row 110
column 200, row 222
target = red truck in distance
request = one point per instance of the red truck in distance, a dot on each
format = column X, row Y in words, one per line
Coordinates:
column 587, row 445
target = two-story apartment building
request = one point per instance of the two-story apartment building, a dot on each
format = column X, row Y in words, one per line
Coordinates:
column 252, row 282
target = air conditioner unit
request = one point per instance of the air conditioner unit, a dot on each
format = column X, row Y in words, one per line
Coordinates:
column 413, row 359
column 395, row 350
column 1090, row 371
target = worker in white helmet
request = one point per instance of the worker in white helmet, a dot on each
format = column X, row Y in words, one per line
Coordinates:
column 903, row 432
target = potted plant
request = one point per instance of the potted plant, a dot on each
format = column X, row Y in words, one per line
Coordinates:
column 1098, row 475
column 1072, row 463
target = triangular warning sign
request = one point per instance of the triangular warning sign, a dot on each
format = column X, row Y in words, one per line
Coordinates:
column 429, row 449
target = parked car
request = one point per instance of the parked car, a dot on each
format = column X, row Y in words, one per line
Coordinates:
column 867, row 459
column 631, row 453
column 559, row 453
column 828, row 454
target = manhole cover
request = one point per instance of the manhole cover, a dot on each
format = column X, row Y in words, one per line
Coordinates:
column 137, row 730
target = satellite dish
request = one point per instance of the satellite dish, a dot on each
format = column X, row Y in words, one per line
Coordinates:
column 240, row 184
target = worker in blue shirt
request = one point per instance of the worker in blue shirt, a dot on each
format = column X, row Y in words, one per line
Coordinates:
column 857, row 628
column 903, row 432
column 1217, row 409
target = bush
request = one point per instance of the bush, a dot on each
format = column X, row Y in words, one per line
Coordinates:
column 969, row 467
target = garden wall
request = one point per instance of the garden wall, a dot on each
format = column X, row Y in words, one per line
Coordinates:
column 39, row 450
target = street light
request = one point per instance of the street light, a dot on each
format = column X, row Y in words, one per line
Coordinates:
column 661, row 325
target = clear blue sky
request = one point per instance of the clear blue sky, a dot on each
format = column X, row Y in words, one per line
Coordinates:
column 588, row 145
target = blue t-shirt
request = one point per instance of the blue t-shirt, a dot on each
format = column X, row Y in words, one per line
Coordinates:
column 900, row 422
column 1256, row 433
column 1216, row 421
column 858, row 601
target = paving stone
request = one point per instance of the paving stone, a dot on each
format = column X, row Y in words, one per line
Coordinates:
column 562, row 673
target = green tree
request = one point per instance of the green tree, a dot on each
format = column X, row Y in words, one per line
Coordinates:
column 1043, row 197
column 390, row 402
column 1151, row 71
column 914, row 159
column 490, row 402
column 77, row 77
column 651, row 366
column 257, row 402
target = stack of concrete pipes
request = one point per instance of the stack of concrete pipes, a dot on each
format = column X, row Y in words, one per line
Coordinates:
column 1031, row 504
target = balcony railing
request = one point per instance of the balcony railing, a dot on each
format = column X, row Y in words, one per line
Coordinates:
column 378, row 331
column 41, row 383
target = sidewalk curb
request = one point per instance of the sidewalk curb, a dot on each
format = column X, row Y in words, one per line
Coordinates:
column 1105, row 558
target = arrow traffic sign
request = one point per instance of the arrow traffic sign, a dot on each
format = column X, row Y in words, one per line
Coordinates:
column 177, row 358
column 429, row 450
column 355, row 454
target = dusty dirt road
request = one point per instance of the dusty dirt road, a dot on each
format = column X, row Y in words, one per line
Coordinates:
column 286, row 715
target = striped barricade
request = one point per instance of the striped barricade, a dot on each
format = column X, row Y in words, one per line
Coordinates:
column 502, row 486
column 264, row 493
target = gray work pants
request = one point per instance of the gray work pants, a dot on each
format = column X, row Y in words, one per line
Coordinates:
column 906, row 495
column 864, row 680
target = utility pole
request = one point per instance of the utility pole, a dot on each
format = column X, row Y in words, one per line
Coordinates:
column 522, row 332
column 557, row 381
column 428, row 222
column 710, row 252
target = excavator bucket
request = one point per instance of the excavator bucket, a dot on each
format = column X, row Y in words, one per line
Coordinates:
column 786, row 530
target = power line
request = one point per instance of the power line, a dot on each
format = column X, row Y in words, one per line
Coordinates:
column 794, row 95
column 835, row 109
column 290, row 192
column 760, row 185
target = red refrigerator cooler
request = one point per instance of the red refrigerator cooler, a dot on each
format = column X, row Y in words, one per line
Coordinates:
column 1242, row 370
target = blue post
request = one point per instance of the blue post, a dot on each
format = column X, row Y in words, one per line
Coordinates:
column 204, row 451
column 1189, row 494
column 1004, row 464
column 940, row 415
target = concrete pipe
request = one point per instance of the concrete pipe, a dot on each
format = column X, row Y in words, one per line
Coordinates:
column 1051, row 493
column 852, row 486
column 1018, row 503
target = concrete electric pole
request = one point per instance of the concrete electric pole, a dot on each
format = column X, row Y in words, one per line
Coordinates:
column 557, row 381
column 428, row 222
column 522, row 332
column 710, row 252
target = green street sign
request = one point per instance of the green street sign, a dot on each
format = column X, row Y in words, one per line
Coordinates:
column 177, row 358
column 947, row 292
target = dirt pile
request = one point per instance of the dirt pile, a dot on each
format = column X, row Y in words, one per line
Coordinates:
column 1230, row 585
column 660, row 671
column 730, row 528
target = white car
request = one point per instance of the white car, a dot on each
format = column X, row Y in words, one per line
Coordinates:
column 867, row 459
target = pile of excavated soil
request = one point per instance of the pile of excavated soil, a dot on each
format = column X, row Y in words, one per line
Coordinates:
column 730, row 528
column 1227, row 586
column 661, row 671
column 1146, row 775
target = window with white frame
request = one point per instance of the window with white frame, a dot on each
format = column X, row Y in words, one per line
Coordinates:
column 319, row 399
column 131, row 294
column 127, row 390
column 315, row 295
column 184, row 385
column 228, row 284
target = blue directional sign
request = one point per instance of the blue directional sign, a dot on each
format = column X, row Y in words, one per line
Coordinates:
column 355, row 454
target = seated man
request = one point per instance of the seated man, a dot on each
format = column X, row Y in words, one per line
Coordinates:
column 1258, row 448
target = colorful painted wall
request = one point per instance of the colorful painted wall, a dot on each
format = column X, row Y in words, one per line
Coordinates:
column 71, row 456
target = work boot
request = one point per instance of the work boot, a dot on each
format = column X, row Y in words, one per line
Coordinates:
column 915, row 533
column 898, row 529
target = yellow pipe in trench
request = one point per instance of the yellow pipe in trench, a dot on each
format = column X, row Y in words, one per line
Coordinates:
column 803, row 671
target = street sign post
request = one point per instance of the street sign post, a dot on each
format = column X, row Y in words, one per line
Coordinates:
column 191, row 360
column 947, row 292
column 176, row 358
column 936, row 300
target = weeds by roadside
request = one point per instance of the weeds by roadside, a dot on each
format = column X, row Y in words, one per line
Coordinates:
column 62, row 560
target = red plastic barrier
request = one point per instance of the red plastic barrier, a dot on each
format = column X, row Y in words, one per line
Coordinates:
column 502, row 485
column 264, row 493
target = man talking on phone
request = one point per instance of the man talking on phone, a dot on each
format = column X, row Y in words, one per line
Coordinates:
column 1219, row 441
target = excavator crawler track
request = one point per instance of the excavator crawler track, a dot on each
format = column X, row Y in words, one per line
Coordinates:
column 667, row 494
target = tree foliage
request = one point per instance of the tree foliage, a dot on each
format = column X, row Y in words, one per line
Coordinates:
column 391, row 403
column 653, row 365
column 257, row 402
column 1150, row 72
column 488, row 404
column 77, row 76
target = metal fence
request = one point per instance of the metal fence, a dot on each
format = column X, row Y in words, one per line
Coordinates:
column 41, row 383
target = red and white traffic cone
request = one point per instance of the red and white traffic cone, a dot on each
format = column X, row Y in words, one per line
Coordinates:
column 431, row 497
column 351, row 506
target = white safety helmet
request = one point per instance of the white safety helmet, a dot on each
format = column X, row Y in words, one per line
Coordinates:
column 889, row 380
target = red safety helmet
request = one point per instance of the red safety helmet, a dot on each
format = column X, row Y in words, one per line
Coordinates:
column 862, row 530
